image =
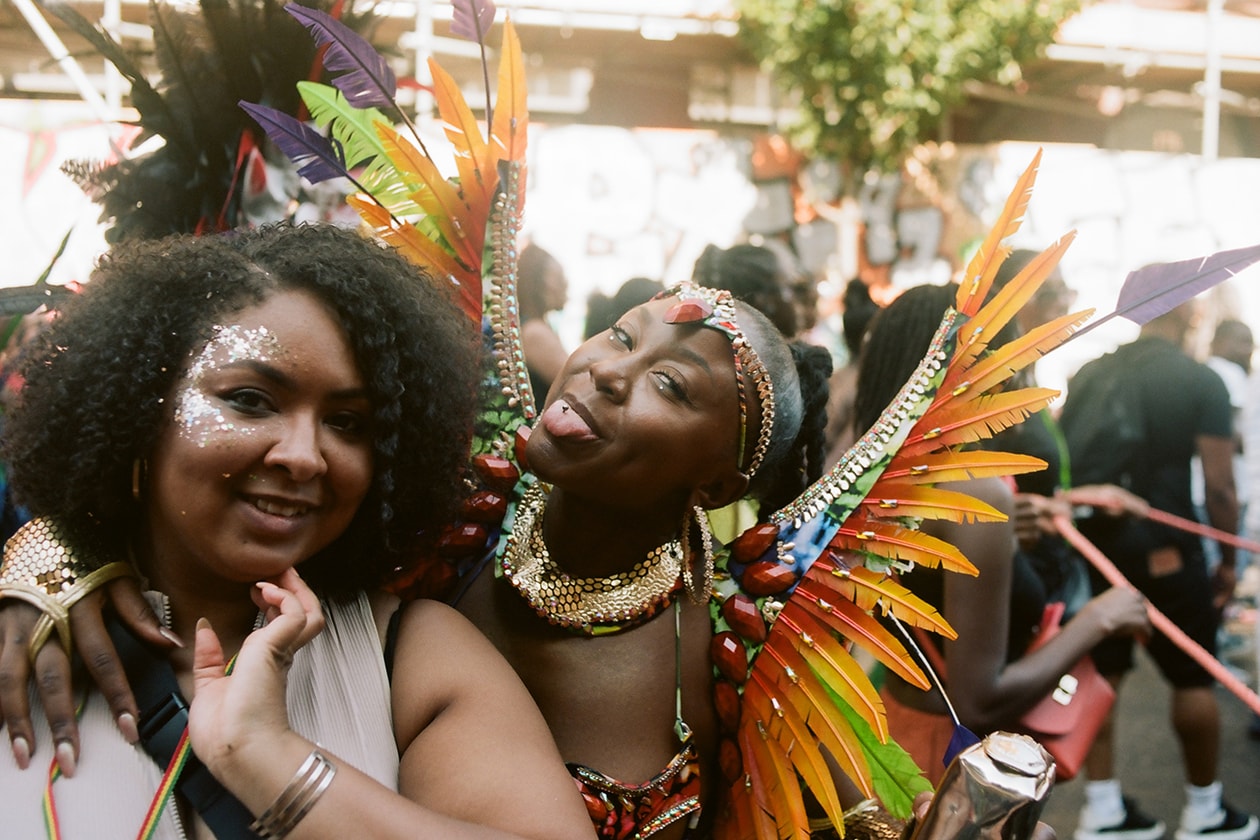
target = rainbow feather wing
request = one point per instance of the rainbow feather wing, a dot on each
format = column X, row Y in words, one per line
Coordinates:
column 462, row 229
column 796, row 594
column 403, row 196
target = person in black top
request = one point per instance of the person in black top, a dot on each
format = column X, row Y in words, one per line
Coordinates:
column 1181, row 408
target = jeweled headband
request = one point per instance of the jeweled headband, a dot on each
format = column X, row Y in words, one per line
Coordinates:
column 716, row 308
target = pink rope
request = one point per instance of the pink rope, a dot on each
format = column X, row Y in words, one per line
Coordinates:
column 1159, row 621
column 1202, row 530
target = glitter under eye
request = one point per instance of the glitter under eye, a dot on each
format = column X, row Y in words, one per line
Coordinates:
column 197, row 416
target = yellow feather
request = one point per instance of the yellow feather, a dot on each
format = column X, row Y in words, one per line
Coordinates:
column 869, row 589
column 776, row 790
column 999, row 365
column 785, row 666
column 477, row 175
column 511, row 118
column 905, row 545
column 984, row 265
column 762, row 810
column 832, row 664
column 422, row 251
column 974, row 335
column 440, row 201
column 888, row 499
column 859, row 626
column 783, row 723
column 958, row 466
column 978, row 419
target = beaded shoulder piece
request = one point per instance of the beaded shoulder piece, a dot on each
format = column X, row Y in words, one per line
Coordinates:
column 798, row 590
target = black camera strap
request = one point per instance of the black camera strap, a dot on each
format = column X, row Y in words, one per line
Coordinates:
column 163, row 719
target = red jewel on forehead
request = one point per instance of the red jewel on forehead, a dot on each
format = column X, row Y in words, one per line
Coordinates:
column 688, row 311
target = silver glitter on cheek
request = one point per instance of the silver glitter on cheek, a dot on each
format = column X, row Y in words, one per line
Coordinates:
column 198, row 417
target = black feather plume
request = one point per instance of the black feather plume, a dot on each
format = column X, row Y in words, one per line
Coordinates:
column 209, row 57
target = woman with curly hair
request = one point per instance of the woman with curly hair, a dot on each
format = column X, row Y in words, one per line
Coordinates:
column 216, row 415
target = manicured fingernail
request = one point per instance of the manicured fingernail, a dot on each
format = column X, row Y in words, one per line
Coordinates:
column 21, row 752
column 66, row 760
column 171, row 637
column 127, row 725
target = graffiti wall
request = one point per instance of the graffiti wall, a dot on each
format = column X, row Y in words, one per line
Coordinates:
column 615, row 203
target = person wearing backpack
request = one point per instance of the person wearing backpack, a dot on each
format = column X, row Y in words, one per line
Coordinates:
column 1135, row 418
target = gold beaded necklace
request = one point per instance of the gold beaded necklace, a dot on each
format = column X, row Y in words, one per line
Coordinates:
column 594, row 606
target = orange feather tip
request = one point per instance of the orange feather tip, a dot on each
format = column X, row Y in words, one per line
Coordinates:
column 983, row 266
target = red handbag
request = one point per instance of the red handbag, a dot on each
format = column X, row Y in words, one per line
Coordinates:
column 1066, row 721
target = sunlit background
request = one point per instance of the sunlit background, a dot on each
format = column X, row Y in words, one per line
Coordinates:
column 655, row 131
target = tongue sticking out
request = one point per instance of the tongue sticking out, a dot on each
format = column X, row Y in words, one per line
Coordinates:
column 561, row 421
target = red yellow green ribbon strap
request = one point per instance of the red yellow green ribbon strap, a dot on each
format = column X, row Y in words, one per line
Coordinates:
column 165, row 790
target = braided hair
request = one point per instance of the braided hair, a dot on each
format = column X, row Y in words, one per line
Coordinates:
column 799, row 373
column 896, row 340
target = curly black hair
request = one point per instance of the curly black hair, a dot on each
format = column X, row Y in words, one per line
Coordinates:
column 99, row 384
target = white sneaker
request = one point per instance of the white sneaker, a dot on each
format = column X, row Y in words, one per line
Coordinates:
column 1132, row 825
column 1231, row 825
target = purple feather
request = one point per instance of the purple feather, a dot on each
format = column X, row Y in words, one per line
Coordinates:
column 315, row 156
column 472, row 19
column 1149, row 292
column 366, row 80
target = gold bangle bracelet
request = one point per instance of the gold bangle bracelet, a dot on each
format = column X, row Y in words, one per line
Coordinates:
column 44, row 567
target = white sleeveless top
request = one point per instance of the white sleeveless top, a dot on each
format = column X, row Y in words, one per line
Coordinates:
column 338, row 695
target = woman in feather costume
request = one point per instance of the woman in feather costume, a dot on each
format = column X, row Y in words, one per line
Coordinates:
column 694, row 687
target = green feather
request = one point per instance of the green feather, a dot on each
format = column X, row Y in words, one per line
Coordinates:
column 894, row 775
column 353, row 128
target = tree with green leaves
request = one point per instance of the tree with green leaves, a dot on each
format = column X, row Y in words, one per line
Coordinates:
column 875, row 78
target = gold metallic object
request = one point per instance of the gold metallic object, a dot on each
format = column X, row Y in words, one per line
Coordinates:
column 864, row 821
column 701, row 594
column 584, row 603
column 42, row 568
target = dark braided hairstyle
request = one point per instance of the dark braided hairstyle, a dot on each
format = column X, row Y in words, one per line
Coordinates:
column 896, row 340
column 859, row 309
column 99, row 382
column 799, row 373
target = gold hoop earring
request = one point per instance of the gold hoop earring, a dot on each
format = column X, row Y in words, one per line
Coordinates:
column 698, row 595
